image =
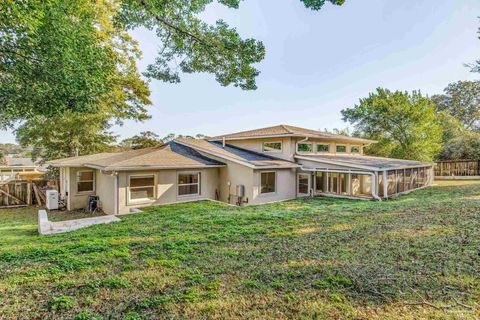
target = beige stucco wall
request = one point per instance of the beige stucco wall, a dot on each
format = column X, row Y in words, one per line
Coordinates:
column 76, row 200
column 166, row 187
column 288, row 146
column 105, row 190
column 236, row 174
column 286, row 186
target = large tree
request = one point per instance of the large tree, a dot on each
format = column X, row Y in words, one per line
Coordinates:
column 145, row 139
column 462, row 100
column 51, row 58
column 67, row 135
column 405, row 124
column 59, row 55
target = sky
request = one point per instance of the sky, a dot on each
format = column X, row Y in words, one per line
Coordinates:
column 317, row 63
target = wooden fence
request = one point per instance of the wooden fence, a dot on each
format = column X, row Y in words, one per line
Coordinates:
column 19, row 193
column 457, row 168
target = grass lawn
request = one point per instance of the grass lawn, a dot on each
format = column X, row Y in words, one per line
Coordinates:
column 415, row 257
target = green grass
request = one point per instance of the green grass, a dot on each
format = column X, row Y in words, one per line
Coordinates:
column 414, row 257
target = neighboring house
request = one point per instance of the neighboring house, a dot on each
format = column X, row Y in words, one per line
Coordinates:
column 19, row 168
column 251, row 167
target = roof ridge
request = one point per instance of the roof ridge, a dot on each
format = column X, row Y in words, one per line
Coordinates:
column 284, row 126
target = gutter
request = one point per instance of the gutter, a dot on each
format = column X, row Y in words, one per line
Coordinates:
column 93, row 166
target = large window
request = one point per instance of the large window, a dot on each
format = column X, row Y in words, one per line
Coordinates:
column 354, row 149
column 272, row 147
column 304, row 147
column 189, row 184
column 268, row 182
column 321, row 182
column 333, row 182
column 85, row 181
column 341, row 149
column 323, row 147
column 142, row 187
column 304, row 183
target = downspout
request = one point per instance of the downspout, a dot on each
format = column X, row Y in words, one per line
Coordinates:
column 115, row 193
column 372, row 174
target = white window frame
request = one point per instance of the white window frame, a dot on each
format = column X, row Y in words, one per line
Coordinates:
column 305, row 152
column 275, row 184
column 93, row 181
column 199, row 183
column 356, row 146
column 272, row 151
column 341, row 145
column 322, row 144
column 142, row 200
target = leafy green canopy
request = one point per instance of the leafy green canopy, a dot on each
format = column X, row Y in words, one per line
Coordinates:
column 145, row 139
column 405, row 125
column 461, row 100
column 74, row 134
column 62, row 55
column 51, row 59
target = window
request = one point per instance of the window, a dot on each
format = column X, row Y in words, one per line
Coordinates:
column 189, row 184
column 355, row 149
column 304, row 147
column 320, row 182
column 85, row 181
column 267, row 183
column 323, row 147
column 142, row 187
column 303, row 183
column 272, row 147
column 341, row 148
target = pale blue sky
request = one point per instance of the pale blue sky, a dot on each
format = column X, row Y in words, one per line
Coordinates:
column 317, row 63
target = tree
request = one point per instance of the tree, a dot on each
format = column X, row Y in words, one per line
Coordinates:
column 463, row 146
column 67, row 135
column 60, row 55
column 462, row 100
column 145, row 139
column 51, row 59
column 405, row 125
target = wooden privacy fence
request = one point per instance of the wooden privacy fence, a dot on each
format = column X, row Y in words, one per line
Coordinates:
column 19, row 193
column 457, row 168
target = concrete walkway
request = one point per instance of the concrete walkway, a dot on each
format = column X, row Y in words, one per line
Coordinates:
column 48, row 227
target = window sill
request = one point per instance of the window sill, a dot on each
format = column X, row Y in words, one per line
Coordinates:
column 85, row 193
column 188, row 195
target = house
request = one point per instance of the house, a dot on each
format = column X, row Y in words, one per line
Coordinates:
column 19, row 169
column 250, row 167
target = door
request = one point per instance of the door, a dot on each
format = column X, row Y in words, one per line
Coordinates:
column 303, row 184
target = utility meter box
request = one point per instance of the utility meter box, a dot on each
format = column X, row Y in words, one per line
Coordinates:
column 52, row 199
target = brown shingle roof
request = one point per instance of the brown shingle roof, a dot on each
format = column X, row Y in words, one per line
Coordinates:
column 229, row 152
column 172, row 155
column 287, row 131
